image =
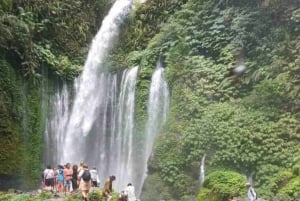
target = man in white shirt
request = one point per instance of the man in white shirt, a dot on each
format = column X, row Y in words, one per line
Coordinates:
column 49, row 177
column 94, row 177
column 129, row 190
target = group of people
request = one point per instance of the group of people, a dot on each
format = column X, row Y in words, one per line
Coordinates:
column 64, row 178
column 69, row 178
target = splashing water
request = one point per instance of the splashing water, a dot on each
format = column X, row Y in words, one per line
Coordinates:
column 92, row 85
column 99, row 128
column 158, row 109
column 202, row 170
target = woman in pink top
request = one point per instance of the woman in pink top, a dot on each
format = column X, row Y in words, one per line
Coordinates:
column 68, row 172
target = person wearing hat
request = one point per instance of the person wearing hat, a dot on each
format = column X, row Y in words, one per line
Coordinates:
column 251, row 192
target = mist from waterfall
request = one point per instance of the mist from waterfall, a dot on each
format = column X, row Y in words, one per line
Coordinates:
column 56, row 122
column 110, row 142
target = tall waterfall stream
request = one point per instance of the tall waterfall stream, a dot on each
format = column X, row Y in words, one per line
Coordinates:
column 96, row 125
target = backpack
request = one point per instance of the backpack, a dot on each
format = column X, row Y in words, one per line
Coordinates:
column 86, row 176
column 251, row 191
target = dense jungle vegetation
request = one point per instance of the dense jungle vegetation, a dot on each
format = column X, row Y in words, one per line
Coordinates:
column 246, row 124
column 42, row 43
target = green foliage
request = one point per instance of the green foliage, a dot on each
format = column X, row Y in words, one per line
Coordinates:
column 10, row 115
column 296, row 16
column 248, row 123
column 146, row 21
column 221, row 184
column 96, row 195
column 268, row 96
column 200, row 45
column 154, row 184
column 74, row 197
column 36, row 33
column 5, row 5
column 62, row 66
column 37, row 36
column 205, row 194
column 292, row 188
column 44, row 195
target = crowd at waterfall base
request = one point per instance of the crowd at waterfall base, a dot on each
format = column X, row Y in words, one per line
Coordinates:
column 70, row 179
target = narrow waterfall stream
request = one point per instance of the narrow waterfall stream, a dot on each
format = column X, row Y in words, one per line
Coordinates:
column 158, row 109
column 202, row 170
column 55, row 125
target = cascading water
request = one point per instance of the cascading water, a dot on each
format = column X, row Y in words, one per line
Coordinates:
column 25, row 113
column 55, row 125
column 158, row 109
column 99, row 129
column 109, row 144
column 121, row 158
column 202, row 170
column 91, row 88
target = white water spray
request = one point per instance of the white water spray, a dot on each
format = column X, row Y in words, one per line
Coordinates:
column 158, row 109
column 202, row 170
column 91, row 88
column 99, row 129
column 55, row 125
column 123, row 164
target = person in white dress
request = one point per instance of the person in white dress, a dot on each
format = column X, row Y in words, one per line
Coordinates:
column 130, row 192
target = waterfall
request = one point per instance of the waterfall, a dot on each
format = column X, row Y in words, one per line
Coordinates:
column 109, row 144
column 98, row 128
column 202, row 170
column 55, row 125
column 122, row 163
column 158, row 109
column 24, row 112
column 93, row 82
